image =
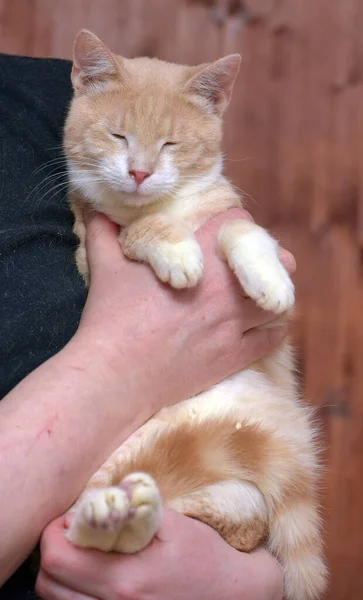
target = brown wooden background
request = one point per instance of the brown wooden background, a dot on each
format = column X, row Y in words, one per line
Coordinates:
column 294, row 138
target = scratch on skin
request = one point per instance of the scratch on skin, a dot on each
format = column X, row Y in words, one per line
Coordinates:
column 48, row 429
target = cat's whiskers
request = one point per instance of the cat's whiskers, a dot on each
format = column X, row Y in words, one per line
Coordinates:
column 56, row 173
column 54, row 169
column 50, row 163
column 244, row 193
column 225, row 157
column 42, row 185
column 60, row 186
column 61, row 158
column 56, row 189
column 239, row 159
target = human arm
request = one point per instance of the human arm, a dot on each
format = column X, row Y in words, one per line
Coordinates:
column 186, row 561
column 64, row 419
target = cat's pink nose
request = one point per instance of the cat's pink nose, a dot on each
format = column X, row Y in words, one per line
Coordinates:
column 139, row 176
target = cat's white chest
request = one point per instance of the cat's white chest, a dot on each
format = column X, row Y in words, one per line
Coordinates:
column 118, row 212
column 178, row 209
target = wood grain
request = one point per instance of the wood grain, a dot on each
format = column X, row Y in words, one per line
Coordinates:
column 294, row 138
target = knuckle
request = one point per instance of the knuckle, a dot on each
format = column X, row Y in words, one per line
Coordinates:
column 240, row 213
column 235, row 213
column 41, row 586
column 213, row 224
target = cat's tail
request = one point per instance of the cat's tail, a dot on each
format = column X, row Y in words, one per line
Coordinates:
column 295, row 539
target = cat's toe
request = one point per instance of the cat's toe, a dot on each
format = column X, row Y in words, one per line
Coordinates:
column 106, row 508
column 143, row 494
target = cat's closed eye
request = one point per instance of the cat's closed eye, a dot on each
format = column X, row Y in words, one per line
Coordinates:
column 166, row 144
column 119, row 136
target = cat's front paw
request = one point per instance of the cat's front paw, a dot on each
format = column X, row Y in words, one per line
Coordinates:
column 273, row 291
column 253, row 256
column 180, row 264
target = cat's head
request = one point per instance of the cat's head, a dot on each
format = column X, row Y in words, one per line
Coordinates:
column 144, row 128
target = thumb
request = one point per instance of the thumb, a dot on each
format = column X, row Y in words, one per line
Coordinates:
column 258, row 342
column 102, row 244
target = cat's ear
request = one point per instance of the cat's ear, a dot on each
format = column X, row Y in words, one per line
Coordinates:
column 214, row 82
column 94, row 65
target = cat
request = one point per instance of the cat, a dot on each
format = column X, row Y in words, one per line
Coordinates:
column 143, row 145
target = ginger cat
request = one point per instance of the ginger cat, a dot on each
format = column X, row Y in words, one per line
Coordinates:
column 143, row 143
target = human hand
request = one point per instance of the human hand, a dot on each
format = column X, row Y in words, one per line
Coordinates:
column 179, row 342
column 187, row 560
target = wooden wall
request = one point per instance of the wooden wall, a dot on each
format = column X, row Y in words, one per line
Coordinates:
column 294, row 139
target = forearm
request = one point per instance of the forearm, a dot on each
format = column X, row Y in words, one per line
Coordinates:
column 56, row 428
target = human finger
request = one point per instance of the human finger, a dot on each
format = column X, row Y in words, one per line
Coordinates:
column 257, row 343
column 48, row 588
column 102, row 245
column 83, row 570
column 288, row 260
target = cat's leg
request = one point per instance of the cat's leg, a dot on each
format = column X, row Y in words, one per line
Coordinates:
column 236, row 509
column 170, row 248
column 79, row 229
column 118, row 519
column 253, row 256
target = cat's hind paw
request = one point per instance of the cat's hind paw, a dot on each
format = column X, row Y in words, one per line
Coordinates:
column 106, row 509
column 144, row 513
column 98, row 519
column 120, row 519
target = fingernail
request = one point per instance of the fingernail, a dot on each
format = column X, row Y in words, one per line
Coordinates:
column 288, row 260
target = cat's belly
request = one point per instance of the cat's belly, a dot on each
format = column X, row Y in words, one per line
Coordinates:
column 247, row 396
column 250, row 397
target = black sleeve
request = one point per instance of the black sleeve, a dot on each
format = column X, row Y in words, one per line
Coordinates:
column 41, row 293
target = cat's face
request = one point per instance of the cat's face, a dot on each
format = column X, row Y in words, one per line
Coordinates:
column 142, row 128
